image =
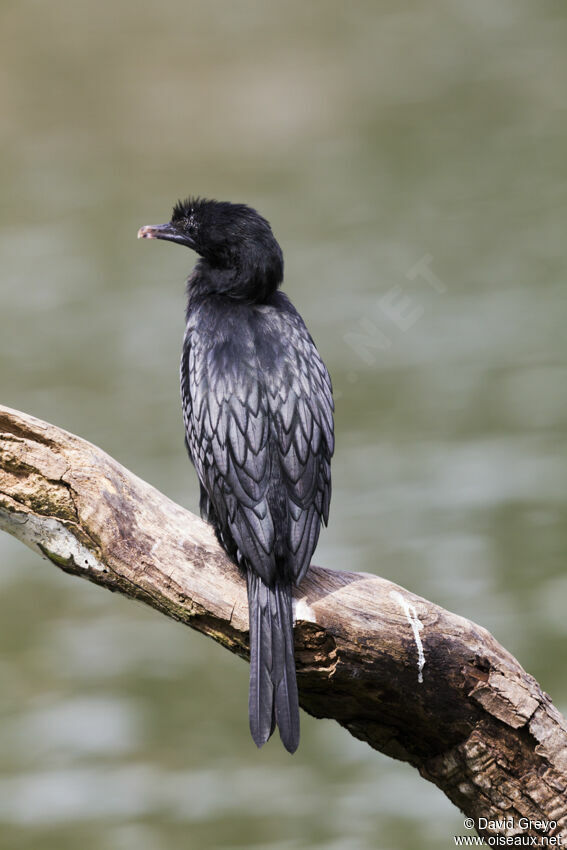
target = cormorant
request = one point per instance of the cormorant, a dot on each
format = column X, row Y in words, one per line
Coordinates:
column 258, row 412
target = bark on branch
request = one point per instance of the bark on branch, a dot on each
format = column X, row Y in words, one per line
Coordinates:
column 411, row 679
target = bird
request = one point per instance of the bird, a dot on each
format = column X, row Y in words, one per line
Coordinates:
column 258, row 414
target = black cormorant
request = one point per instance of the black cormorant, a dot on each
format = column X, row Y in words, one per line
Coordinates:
column 258, row 411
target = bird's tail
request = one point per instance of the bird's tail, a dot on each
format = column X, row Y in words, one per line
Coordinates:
column 273, row 686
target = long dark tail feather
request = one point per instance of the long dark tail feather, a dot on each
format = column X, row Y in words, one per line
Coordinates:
column 261, row 696
column 285, row 682
column 273, row 686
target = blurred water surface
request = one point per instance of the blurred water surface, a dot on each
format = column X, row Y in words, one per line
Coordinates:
column 411, row 159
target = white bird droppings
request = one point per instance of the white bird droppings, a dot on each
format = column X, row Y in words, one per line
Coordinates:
column 303, row 611
column 416, row 626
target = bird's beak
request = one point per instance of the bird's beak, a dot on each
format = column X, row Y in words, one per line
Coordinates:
column 165, row 231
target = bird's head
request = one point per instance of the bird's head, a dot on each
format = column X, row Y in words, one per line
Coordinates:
column 240, row 255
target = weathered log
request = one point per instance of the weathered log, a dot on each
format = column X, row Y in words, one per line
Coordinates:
column 411, row 679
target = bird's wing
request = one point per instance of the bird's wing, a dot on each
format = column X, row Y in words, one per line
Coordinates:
column 301, row 409
column 186, row 399
column 228, row 435
column 259, row 427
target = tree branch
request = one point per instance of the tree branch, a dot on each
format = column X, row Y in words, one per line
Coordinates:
column 411, row 679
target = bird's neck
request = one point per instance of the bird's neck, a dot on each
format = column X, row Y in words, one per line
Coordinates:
column 252, row 284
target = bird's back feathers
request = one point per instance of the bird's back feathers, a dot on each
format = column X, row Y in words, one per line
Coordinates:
column 259, row 423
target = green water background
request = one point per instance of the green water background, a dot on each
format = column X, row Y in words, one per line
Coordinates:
column 374, row 136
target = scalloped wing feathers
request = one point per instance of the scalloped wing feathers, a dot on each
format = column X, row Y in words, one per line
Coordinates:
column 258, row 413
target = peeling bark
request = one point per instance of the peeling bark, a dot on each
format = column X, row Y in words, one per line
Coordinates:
column 411, row 679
